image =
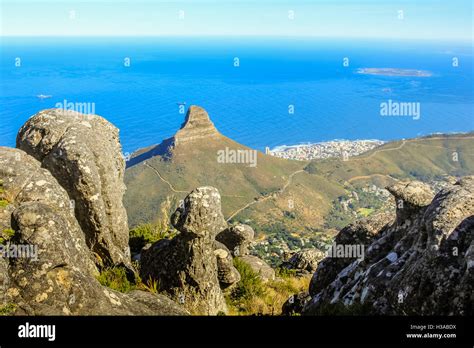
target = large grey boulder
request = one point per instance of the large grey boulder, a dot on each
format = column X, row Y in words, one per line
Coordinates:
column 410, row 197
column 55, row 274
column 84, row 154
column 237, row 238
column 259, row 266
column 304, row 262
column 186, row 266
column 421, row 264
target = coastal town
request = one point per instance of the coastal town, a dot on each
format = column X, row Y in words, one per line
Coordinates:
column 336, row 148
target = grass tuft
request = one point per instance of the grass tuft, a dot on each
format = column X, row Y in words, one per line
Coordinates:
column 8, row 309
column 252, row 296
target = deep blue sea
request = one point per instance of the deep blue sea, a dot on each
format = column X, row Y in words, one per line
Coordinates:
column 249, row 103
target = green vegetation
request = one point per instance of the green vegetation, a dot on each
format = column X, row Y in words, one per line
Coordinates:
column 285, row 272
column 151, row 285
column 148, row 233
column 252, row 296
column 346, row 208
column 249, row 286
column 6, row 235
column 152, row 232
column 422, row 159
column 121, row 279
column 8, row 309
column 8, row 232
column 3, row 201
column 117, row 279
column 194, row 165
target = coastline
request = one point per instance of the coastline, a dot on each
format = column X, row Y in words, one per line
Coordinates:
column 340, row 147
column 308, row 144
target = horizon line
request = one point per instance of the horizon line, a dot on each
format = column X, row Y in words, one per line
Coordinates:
column 466, row 39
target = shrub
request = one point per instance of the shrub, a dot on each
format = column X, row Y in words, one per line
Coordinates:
column 252, row 296
column 151, row 285
column 148, row 233
column 8, row 233
column 7, row 309
column 250, row 284
column 285, row 273
column 116, row 278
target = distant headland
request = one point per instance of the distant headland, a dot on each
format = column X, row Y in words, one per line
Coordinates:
column 394, row 72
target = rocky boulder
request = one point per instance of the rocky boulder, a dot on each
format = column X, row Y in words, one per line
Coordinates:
column 237, row 238
column 421, row 264
column 410, row 197
column 84, row 154
column 186, row 266
column 259, row 266
column 50, row 270
column 228, row 275
column 304, row 261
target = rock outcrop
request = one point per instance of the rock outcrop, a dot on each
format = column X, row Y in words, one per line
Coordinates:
column 197, row 125
column 410, row 197
column 361, row 233
column 259, row 266
column 228, row 275
column 55, row 273
column 186, row 266
column 237, row 238
column 421, row 264
column 304, row 262
column 84, row 154
column 296, row 303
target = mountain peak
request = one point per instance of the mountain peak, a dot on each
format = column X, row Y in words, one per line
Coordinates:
column 197, row 125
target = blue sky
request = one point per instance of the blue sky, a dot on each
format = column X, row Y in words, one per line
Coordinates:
column 422, row 19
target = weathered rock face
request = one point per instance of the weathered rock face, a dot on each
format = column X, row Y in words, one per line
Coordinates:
column 84, row 154
column 237, row 238
column 227, row 273
column 55, row 273
column 304, row 261
column 422, row 264
column 197, row 125
column 186, row 266
column 295, row 304
column 361, row 232
column 259, row 266
column 410, row 197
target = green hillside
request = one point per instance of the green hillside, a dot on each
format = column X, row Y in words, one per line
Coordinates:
column 287, row 198
column 422, row 159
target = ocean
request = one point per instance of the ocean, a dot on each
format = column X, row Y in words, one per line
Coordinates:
column 258, row 91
